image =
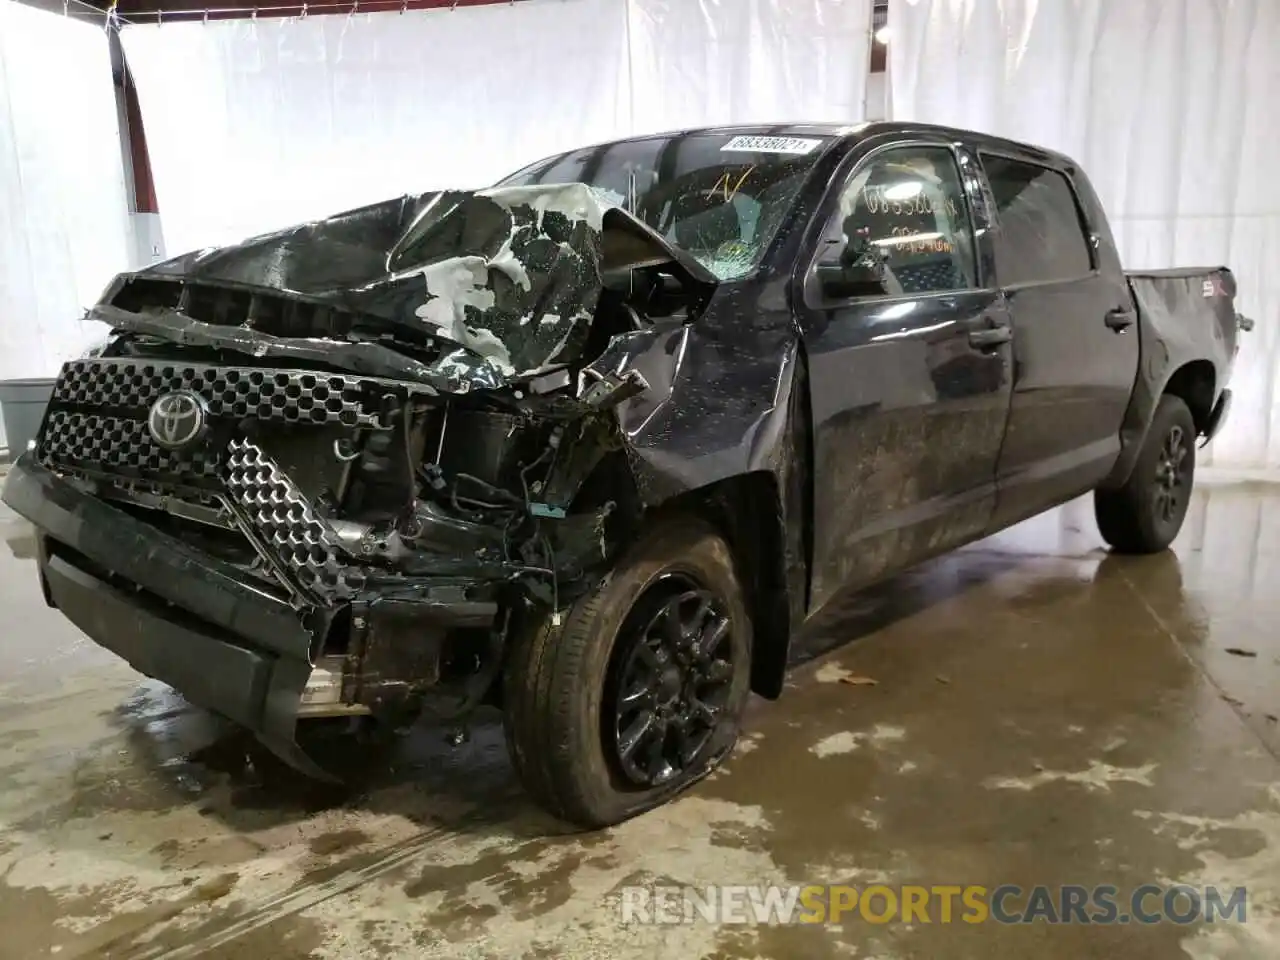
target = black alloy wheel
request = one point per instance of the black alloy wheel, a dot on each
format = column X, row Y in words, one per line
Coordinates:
column 1171, row 475
column 672, row 677
column 1145, row 513
column 638, row 693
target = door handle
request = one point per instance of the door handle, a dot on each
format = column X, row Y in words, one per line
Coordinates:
column 991, row 337
column 1119, row 319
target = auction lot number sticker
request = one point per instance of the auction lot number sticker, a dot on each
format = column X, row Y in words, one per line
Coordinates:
column 754, row 144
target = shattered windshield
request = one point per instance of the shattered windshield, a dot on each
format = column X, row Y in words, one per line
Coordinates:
column 720, row 197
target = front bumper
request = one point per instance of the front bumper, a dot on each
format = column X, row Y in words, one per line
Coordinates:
column 194, row 622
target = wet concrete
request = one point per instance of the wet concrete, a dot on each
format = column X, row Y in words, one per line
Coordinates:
column 1041, row 713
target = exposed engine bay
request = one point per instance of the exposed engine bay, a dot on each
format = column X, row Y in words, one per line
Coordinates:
column 402, row 421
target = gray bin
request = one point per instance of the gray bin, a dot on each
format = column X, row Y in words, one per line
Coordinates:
column 23, row 403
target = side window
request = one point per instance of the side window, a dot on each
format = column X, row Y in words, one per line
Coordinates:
column 902, row 220
column 1042, row 235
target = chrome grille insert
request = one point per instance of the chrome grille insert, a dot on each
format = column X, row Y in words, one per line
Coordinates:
column 299, row 539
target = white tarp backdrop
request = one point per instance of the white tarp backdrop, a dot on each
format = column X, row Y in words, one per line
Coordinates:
column 1171, row 107
column 63, row 206
column 699, row 62
column 254, row 125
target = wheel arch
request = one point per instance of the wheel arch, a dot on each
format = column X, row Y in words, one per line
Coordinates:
column 1195, row 383
column 747, row 511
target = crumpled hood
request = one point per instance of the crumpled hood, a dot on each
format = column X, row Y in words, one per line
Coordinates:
column 510, row 275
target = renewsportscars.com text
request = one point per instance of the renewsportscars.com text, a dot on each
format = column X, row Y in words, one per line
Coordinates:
column 973, row 904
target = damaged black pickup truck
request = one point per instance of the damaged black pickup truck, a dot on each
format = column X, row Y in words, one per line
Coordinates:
column 592, row 444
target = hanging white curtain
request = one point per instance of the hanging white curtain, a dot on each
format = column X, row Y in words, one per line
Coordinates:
column 253, row 125
column 63, row 210
column 1171, row 107
column 706, row 62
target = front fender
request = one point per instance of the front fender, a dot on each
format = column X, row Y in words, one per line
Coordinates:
column 722, row 428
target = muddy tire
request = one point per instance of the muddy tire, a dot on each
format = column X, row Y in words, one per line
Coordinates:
column 1146, row 513
column 639, row 692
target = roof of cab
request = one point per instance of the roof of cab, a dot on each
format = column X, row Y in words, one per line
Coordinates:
column 796, row 129
column 852, row 132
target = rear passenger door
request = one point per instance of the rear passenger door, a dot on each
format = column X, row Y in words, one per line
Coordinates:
column 1075, row 340
column 909, row 375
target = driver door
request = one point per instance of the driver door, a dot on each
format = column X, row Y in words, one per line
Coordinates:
column 910, row 366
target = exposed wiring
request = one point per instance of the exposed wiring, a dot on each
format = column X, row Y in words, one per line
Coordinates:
column 555, row 583
column 523, row 568
column 490, row 489
column 469, row 512
column 506, row 536
column 344, row 457
column 524, row 473
column 407, row 418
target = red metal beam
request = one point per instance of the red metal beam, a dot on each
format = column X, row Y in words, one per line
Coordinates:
column 144, row 187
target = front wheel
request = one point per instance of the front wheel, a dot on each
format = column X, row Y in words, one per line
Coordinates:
column 1145, row 515
column 639, row 693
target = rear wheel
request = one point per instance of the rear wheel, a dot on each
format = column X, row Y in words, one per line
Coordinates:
column 1145, row 515
column 640, row 692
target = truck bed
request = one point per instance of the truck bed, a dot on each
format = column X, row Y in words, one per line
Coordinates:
column 1188, row 305
column 1187, row 322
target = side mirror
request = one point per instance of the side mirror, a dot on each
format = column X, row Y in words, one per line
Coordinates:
column 840, row 281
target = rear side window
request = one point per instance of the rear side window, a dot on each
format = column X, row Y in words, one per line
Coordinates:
column 1042, row 235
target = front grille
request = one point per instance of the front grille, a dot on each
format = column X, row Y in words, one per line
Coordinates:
column 123, row 446
column 98, row 413
column 256, row 419
column 293, row 396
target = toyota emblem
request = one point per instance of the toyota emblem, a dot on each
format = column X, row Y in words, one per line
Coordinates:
column 177, row 420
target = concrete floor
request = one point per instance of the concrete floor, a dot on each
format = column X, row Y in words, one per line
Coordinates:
column 1042, row 713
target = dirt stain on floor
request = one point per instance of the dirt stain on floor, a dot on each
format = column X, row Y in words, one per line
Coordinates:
column 338, row 841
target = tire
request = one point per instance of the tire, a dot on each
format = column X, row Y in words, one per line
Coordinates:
column 563, row 685
column 1145, row 515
